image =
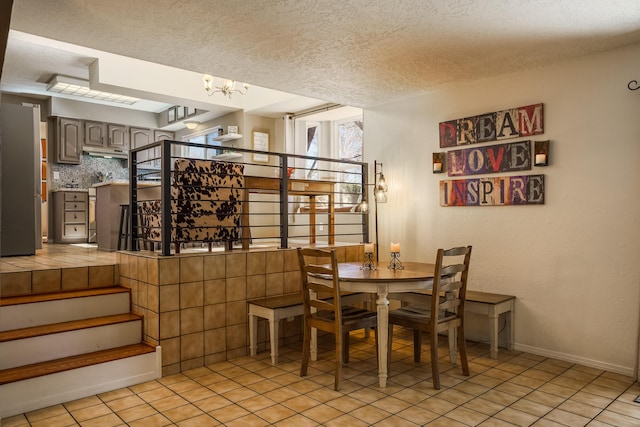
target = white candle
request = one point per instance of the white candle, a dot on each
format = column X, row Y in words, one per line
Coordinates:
column 437, row 167
column 395, row 247
column 368, row 248
column 541, row 159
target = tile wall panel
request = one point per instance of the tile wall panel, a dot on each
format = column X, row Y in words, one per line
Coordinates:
column 195, row 305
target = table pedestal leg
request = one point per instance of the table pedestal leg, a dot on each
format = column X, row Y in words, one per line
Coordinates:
column 382, row 333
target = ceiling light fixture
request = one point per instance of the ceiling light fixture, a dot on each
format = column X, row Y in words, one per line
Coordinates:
column 227, row 89
column 191, row 125
column 77, row 87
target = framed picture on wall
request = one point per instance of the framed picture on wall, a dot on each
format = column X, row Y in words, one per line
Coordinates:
column 179, row 113
column 260, row 143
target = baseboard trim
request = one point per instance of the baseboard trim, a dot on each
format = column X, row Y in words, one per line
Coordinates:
column 618, row 369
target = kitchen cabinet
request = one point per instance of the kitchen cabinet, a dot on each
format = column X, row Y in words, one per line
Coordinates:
column 70, row 216
column 107, row 136
column 118, row 137
column 68, row 136
column 141, row 137
column 138, row 138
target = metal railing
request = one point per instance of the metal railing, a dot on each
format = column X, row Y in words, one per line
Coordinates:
column 285, row 196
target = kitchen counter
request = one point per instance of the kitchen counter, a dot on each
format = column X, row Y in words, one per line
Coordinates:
column 57, row 190
column 126, row 182
column 109, row 196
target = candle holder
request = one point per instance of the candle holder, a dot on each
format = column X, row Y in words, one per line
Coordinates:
column 395, row 263
column 368, row 263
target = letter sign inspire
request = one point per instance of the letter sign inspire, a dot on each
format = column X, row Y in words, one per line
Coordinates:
column 500, row 191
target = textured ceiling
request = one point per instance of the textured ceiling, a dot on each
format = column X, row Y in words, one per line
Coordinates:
column 355, row 52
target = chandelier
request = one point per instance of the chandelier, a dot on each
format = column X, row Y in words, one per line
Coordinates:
column 227, row 89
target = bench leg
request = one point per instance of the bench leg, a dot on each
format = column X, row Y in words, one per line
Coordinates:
column 253, row 334
column 493, row 331
column 273, row 336
column 511, row 318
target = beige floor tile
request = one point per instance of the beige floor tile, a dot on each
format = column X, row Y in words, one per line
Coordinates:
column 516, row 417
column 346, row 420
column 275, row 413
column 630, row 409
column 203, row 420
column 228, row 413
column 484, row 406
column 567, row 418
column 322, row 413
column 467, row 416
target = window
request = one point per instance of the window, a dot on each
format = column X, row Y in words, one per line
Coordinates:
column 209, row 147
column 313, row 136
column 349, row 147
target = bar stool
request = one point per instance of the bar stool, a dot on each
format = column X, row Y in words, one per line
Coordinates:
column 124, row 233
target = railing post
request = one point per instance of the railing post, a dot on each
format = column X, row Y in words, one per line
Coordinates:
column 133, row 201
column 165, row 188
column 284, row 202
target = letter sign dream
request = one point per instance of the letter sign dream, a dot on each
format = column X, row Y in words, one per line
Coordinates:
column 512, row 123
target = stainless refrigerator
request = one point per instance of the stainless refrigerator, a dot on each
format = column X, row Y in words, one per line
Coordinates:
column 21, row 221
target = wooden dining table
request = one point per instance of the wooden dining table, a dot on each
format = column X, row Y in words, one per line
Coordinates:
column 414, row 277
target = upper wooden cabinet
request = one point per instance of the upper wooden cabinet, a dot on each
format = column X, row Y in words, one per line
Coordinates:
column 141, row 137
column 118, row 137
column 161, row 135
column 95, row 134
column 68, row 136
column 106, row 135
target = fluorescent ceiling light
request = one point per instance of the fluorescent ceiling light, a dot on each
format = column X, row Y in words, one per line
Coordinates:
column 78, row 87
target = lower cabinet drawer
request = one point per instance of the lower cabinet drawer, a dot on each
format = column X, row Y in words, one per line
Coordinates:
column 75, row 206
column 79, row 216
column 75, row 230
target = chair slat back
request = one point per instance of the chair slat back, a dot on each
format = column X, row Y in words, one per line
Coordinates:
column 450, row 284
column 319, row 276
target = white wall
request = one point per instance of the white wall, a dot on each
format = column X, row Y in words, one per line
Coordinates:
column 573, row 263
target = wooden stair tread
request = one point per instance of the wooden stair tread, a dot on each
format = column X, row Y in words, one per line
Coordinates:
column 54, row 296
column 55, row 328
column 73, row 362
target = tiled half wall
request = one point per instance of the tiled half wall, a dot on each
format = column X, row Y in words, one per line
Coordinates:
column 195, row 305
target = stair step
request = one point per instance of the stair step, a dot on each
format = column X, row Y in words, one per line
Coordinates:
column 73, row 362
column 19, row 312
column 72, row 325
column 54, row 296
column 49, row 342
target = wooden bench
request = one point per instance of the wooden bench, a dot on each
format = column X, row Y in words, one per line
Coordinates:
column 483, row 303
column 273, row 309
column 492, row 306
column 280, row 307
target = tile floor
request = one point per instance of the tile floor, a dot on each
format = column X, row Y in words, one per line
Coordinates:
column 54, row 255
column 519, row 389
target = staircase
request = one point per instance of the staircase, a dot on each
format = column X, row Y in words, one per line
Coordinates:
column 64, row 346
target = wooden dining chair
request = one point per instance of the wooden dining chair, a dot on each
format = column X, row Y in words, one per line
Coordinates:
column 319, row 275
column 433, row 314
